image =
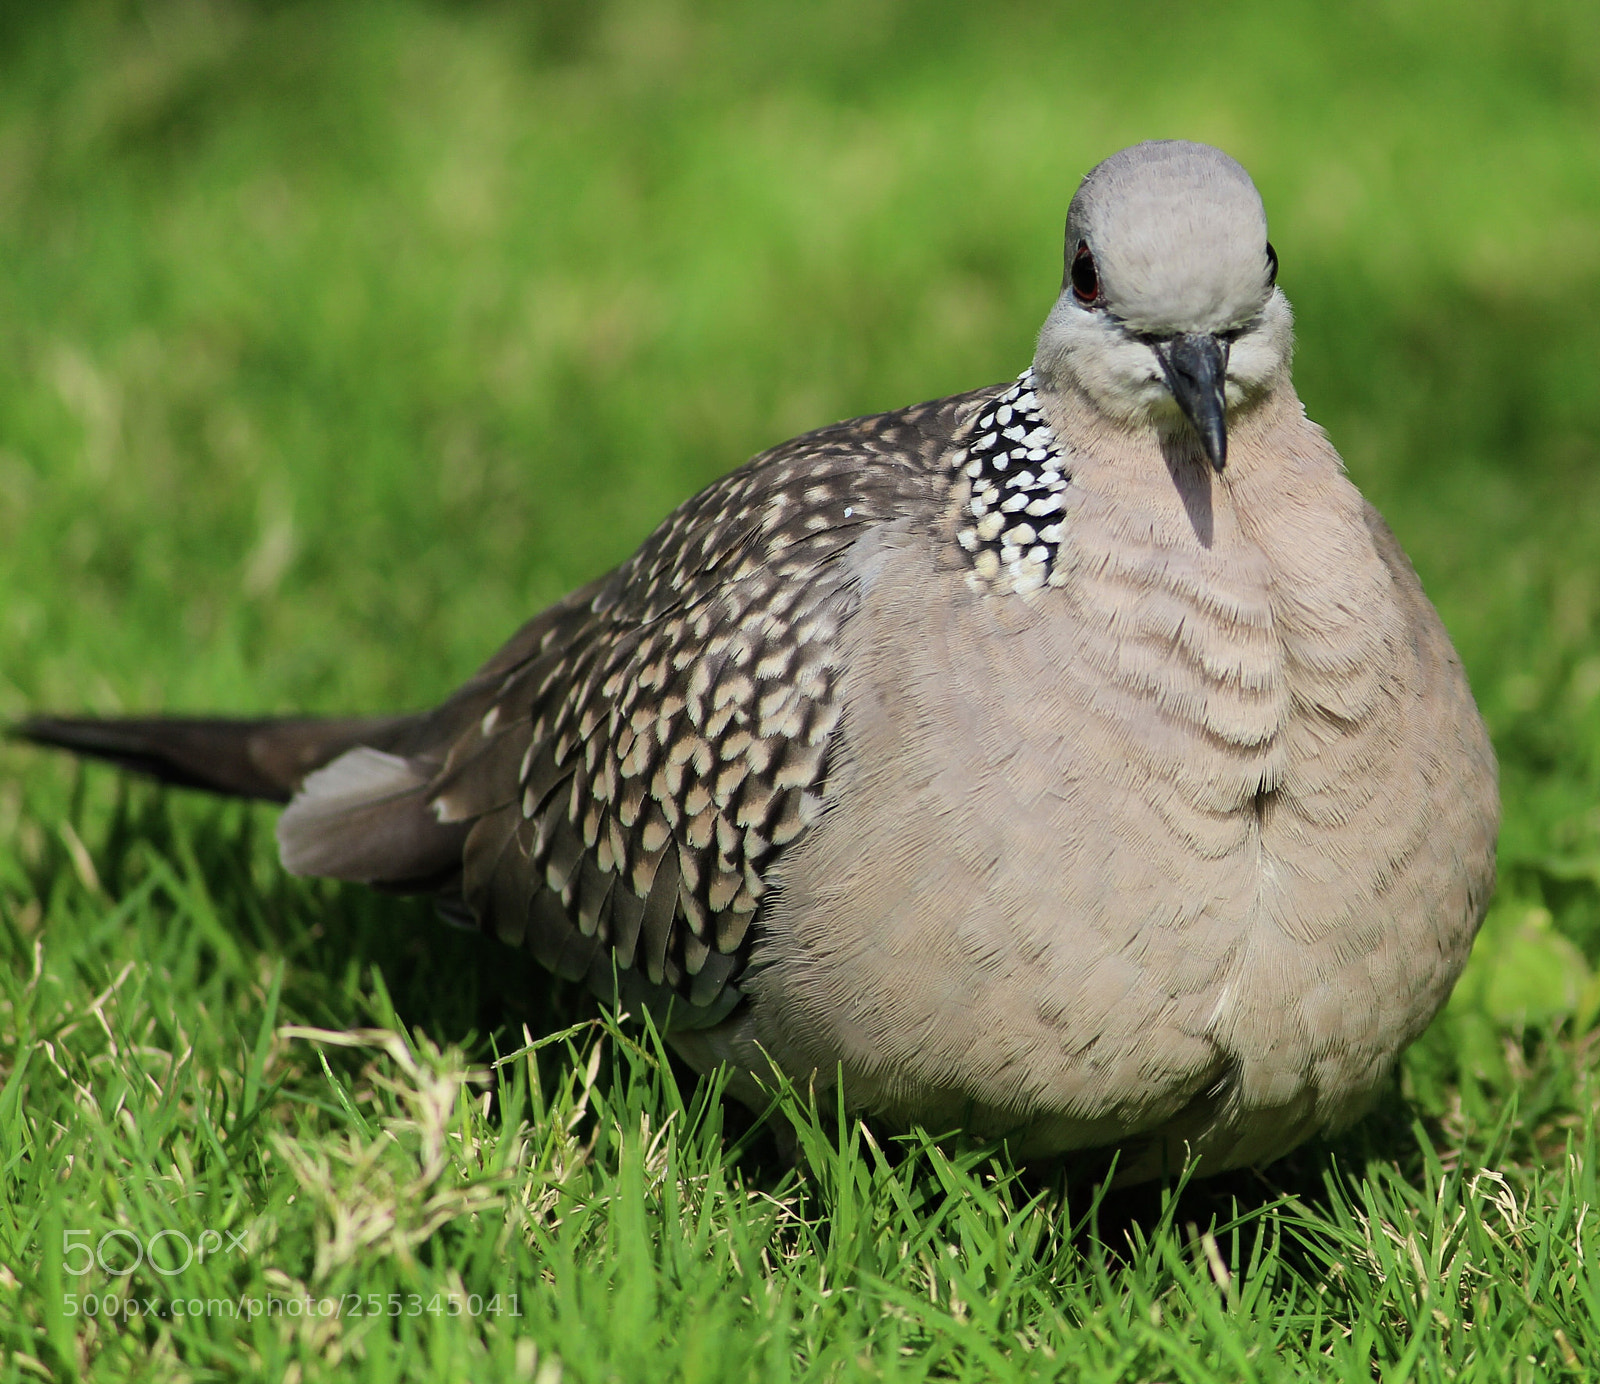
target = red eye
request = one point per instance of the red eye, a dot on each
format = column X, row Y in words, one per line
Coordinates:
column 1085, row 279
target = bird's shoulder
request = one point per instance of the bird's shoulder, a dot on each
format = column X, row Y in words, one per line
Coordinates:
column 793, row 508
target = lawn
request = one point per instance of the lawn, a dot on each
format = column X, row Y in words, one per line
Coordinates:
column 335, row 339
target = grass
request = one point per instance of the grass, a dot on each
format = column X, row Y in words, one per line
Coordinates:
column 335, row 339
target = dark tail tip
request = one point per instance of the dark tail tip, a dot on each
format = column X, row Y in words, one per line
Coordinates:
column 257, row 758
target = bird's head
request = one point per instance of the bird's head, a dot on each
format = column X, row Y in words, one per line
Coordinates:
column 1169, row 309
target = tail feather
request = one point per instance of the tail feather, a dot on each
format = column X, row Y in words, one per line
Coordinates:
column 366, row 817
column 265, row 758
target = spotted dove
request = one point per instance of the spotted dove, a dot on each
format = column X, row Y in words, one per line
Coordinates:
column 1076, row 760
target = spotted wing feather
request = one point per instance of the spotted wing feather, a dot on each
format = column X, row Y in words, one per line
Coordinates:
column 632, row 763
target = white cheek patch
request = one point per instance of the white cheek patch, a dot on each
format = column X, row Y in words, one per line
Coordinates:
column 1121, row 375
column 1115, row 369
column 1258, row 354
column 1251, row 363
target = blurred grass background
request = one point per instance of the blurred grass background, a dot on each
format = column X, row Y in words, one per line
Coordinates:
column 335, row 339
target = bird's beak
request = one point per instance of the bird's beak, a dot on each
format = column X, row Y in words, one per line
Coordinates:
column 1196, row 367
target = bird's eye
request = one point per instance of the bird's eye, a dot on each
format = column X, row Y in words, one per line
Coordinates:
column 1085, row 280
column 1272, row 265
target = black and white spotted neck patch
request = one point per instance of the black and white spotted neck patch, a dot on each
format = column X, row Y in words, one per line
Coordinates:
column 1011, row 518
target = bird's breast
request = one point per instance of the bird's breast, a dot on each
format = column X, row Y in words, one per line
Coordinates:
column 1164, row 827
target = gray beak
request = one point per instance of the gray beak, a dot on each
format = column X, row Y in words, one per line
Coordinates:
column 1196, row 367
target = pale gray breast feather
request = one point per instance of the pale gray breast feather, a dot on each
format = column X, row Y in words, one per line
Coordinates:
column 635, row 774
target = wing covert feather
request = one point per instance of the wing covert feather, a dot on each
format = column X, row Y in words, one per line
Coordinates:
column 633, row 760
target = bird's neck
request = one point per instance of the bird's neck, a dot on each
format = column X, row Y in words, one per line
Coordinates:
column 1267, row 570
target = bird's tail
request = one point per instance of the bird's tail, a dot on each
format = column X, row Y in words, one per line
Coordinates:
column 264, row 758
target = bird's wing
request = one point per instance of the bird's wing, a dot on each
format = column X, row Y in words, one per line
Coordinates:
column 619, row 778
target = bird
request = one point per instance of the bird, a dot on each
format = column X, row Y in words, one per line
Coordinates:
column 1076, row 761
